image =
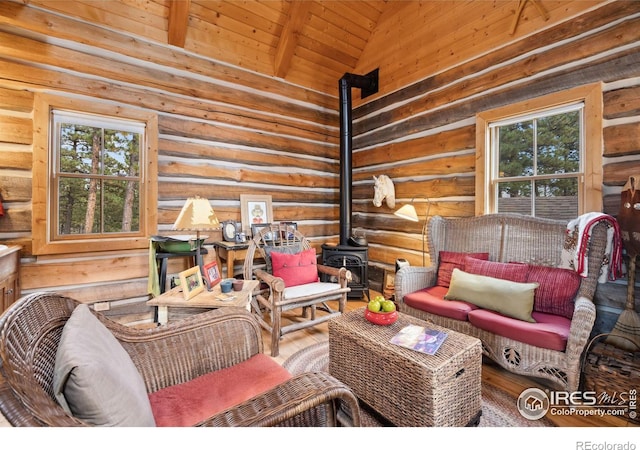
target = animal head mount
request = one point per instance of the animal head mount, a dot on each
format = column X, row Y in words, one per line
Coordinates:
column 384, row 190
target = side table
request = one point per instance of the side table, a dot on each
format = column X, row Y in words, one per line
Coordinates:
column 204, row 300
column 228, row 252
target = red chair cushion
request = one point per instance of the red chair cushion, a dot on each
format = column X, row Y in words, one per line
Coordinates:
column 432, row 301
column 189, row 403
column 506, row 271
column 549, row 330
column 557, row 290
column 452, row 260
column 296, row 269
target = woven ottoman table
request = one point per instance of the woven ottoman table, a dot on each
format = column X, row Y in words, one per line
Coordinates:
column 406, row 387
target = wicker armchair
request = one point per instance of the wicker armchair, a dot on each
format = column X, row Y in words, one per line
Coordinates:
column 31, row 328
column 274, row 298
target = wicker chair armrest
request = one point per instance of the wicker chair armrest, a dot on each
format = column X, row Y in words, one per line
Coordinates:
column 410, row 279
column 310, row 399
column 584, row 316
column 184, row 349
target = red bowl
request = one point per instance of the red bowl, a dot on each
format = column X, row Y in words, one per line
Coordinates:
column 381, row 318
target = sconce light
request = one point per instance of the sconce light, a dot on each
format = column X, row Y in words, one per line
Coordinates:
column 408, row 212
column 197, row 215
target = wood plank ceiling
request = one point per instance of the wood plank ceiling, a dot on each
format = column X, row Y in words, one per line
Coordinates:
column 309, row 43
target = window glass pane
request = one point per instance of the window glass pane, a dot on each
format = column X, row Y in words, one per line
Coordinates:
column 121, row 153
column 558, row 139
column 79, row 209
column 515, row 149
column 121, row 206
column 79, row 148
column 515, row 197
column 557, row 198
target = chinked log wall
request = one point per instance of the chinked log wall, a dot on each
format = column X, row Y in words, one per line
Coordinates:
column 423, row 136
column 223, row 132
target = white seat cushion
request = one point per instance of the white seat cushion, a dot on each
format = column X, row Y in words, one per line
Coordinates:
column 302, row 290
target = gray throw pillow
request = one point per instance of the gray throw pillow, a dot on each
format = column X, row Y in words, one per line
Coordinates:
column 94, row 378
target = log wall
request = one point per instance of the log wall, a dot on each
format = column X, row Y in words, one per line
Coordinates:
column 422, row 133
column 223, row 132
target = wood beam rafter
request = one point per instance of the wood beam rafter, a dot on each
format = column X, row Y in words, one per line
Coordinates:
column 521, row 4
column 178, row 22
column 297, row 16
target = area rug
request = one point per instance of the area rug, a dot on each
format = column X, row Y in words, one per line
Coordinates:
column 498, row 408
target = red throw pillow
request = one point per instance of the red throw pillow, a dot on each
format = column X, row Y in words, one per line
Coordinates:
column 452, row 260
column 506, row 271
column 557, row 290
column 296, row 269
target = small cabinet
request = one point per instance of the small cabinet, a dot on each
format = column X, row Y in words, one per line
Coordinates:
column 9, row 276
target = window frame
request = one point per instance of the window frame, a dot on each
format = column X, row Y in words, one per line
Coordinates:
column 43, row 240
column 592, row 173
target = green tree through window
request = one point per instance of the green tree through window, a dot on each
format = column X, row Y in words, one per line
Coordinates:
column 98, row 178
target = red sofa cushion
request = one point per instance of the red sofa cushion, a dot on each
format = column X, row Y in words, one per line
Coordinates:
column 506, row 271
column 431, row 300
column 549, row 330
column 452, row 260
column 557, row 290
column 189, row 403
column 296, row 269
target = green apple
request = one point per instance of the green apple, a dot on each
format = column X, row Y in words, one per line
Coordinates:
column 388, row 306
column 374, row 305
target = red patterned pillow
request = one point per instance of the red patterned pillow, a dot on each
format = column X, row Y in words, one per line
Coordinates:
column 452, row 260
column 557, row 290
column 506, row 271
column 296, row 269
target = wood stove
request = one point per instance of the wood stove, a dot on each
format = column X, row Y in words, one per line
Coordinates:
column 352, row 252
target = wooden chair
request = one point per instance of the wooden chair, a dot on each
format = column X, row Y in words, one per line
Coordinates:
column 30, row 332
column 275, row 297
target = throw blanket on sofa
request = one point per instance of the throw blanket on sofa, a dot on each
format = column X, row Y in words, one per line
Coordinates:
column 574, row 252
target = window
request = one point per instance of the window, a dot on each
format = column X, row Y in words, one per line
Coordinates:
column 542, row 157
column 99, row 164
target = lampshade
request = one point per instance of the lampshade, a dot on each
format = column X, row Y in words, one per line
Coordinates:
column 408, row 212
column 197, row 214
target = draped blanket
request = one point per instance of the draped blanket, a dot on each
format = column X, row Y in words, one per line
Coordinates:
column 574, row 253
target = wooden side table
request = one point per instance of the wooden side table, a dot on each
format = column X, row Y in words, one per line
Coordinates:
column 228, row 252
column 205, row 300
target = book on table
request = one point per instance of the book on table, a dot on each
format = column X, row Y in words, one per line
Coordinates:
column 421, row 339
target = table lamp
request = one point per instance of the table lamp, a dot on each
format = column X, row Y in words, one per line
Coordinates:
column 197, row 215
column 409, row 212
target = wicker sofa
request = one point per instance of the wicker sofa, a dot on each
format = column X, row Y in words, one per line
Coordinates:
column 510, row 238
column 31, row 331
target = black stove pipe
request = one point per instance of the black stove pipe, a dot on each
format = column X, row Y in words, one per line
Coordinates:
column 368, row 84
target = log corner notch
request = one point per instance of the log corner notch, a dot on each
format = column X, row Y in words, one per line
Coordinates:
column 521, row 4
column 178, row 22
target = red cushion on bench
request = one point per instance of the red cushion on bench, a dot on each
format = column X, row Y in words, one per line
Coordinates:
column 189, row 403
column 432, row 301
column 549, row 331
column 452, row 260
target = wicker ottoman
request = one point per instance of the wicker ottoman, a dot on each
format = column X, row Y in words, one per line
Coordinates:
column 407, row 387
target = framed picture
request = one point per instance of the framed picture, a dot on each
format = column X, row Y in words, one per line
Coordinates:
column 255, row 210
column 191, row 282
column 255, row 229
column 287, row 229
column 212, row 273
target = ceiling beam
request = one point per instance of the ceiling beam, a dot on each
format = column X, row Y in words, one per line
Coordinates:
column 297, row 16
column 178, row 22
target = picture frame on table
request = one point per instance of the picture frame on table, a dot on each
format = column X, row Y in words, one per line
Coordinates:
column 191, row 282
column 212, row 273
column 255, row 229
column 255, row 210
column 287, row 229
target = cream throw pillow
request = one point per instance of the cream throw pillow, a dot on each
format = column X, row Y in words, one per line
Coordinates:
column 506, row 297
column 94, row 378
